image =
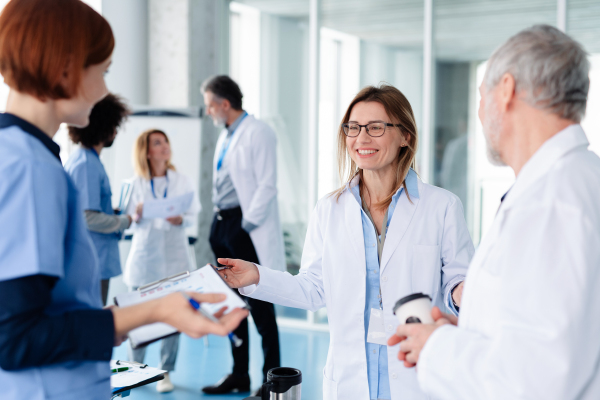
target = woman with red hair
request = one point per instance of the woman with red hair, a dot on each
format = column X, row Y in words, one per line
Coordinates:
column 55, row 339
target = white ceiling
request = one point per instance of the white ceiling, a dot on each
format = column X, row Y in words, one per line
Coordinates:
column 464, row 29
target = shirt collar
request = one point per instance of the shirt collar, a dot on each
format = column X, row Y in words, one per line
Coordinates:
column 545, row 158
column 7, row 120
column 412, row 185
column 231, row 128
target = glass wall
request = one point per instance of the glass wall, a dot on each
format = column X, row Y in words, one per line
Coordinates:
column 465, row 34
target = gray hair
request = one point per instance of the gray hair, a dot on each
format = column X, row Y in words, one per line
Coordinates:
column 548, row 66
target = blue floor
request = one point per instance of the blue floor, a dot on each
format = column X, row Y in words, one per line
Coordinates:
column 198, row 366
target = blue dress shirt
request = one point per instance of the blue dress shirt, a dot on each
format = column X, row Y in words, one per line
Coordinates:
column 377, row 357
column 224, row 194
column 86, row 170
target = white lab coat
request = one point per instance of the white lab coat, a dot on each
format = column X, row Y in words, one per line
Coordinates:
column 427, row 249
column 158, row 248
column 252, row 164
column 529, row 326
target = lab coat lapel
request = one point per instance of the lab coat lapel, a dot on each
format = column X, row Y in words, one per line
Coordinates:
column 237, row 134
column 353, row 219
column 403, row 214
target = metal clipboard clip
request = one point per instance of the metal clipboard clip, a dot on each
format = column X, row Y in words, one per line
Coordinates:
column 157, row 284
column 134, row 363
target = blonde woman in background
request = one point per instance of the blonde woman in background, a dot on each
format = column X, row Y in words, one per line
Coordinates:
column 160, row 246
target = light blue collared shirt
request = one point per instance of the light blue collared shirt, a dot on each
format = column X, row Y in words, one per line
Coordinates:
column 224, row 194
column 377, row 357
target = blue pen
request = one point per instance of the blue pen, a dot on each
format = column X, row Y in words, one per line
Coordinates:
column 236, row 341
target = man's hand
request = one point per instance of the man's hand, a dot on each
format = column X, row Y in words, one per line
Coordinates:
column 412, row 337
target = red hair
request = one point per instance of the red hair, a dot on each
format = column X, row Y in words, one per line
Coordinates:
column 41, row 39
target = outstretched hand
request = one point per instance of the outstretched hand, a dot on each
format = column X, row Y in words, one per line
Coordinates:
column 239, row 273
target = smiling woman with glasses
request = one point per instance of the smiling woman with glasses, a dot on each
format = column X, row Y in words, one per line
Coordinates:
column 382, row 236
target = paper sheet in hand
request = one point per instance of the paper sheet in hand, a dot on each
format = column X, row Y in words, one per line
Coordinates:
column 133, row 376
column 204, row 280
column 169, row 207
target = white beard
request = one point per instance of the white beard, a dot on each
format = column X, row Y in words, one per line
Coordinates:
column 219, row 122
column 491, row 131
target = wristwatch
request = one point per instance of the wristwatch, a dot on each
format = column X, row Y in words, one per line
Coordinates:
column 452, row 297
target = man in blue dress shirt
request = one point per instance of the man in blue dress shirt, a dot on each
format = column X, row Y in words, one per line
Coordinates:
column 88, row 173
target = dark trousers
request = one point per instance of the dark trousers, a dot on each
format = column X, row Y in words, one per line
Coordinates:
column 229, row 240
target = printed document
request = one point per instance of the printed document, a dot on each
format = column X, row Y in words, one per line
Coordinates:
column 203, row 280
column 169, row 207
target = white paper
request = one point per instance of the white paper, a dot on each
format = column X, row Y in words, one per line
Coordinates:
column 376, row 332
column 204, row 280
column 169, row 207
column 132, row 376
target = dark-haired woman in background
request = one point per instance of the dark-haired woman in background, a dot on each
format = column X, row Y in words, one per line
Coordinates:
column 88, row 173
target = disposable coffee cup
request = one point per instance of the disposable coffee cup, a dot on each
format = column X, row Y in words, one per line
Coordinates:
column 414, row 309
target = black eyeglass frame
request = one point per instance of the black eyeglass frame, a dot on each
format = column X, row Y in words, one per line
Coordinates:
column 346, row 125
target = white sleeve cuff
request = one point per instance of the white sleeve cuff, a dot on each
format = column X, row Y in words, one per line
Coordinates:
column 249, row 290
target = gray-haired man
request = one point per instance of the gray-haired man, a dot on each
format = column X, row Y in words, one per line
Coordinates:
column 529, row 326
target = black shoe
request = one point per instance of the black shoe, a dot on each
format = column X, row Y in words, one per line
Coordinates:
column 229, row 383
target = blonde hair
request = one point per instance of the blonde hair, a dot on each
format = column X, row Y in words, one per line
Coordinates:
column 141, row 164
column 398, row 108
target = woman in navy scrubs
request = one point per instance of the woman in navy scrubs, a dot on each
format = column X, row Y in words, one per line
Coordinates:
column 55, row 340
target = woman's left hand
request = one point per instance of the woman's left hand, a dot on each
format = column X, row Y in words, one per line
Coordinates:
column 457, row 293
column 177, row 220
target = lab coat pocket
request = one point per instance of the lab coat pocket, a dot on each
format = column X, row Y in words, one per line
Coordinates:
column 426, row 265
column 329, row 388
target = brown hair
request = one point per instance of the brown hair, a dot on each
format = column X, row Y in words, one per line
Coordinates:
column 141, row 165
column 400, row 112
column 41, row 39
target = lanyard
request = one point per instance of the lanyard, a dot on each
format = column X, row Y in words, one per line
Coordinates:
column 226, row 147
column 166, row 189
column 380, row 242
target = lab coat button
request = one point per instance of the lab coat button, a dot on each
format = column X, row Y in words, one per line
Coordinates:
column 390, row 327
column 394, row 376
column 385, row 278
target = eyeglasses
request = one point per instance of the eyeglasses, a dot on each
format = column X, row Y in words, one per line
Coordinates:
column 374, row 129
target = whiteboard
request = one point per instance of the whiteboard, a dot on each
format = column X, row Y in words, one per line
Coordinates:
column 184, row 136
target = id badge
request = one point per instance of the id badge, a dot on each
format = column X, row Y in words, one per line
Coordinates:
column 376, row 333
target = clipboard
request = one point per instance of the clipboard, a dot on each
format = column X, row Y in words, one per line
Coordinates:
column 203, row 280
column 125, row 196
column 154, row 374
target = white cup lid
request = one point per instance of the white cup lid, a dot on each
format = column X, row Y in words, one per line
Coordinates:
column 409, row 298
